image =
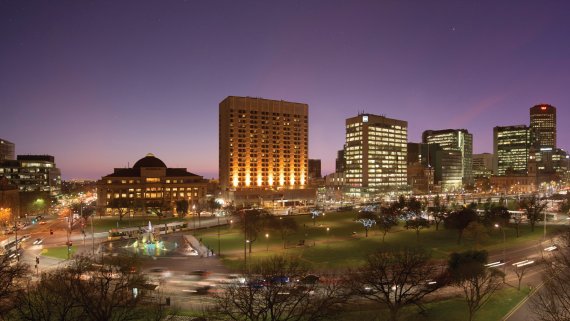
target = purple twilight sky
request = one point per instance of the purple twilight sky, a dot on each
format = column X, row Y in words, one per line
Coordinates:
column 98, row 84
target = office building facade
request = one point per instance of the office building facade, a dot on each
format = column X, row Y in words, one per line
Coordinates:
column 314, row 168
column 511, row 147
column 263, row 147
column 457, row 159
column 543, row 123
column 483, row 165
column 33, row 173
column 376, row 155
column 7, row 150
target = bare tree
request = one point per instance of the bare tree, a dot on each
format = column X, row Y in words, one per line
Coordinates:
column 90, row 291
column 252, row 222
column 48, row 299
column 11, row 276
column 520, row 270
column 367, row 219
column 468, row 272
column 386, row 221
column 395, row 278
column 552, row 302
column 277, row 289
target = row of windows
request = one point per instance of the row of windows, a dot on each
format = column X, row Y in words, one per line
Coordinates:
column 149, row 180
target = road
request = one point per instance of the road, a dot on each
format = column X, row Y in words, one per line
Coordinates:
column 180, row 286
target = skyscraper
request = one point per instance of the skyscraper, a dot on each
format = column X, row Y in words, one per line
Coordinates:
column 457, row 159
column 543, row 122
column 263, row 145
column 376, row 155
column 511, row 147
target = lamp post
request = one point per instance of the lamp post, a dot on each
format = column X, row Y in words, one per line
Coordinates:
column 92, row 233
column 219, row 244
column 267, row 242
column 504, row 246
column 193, row 215
column 16, row 231
column 328, row 239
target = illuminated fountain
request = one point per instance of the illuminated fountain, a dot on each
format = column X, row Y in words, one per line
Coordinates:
column 148, row 244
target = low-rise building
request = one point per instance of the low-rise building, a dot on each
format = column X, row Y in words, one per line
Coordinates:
column 149, row 187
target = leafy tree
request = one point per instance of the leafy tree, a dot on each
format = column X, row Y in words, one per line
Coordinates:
column 459, row 220
column 158, row 207
column 182, row 207
column 565, row 207
column 121, row 205
column 439, row 212
column 496, row 214
column 477, row 232
column 534, row 208
column 468, row 272
column 270, row 294
column 395, row 278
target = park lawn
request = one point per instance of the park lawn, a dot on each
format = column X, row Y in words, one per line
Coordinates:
column 446, row 310
column 58, row 252
column 340, row 248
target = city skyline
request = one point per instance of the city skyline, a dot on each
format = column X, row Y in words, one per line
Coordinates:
column 100, row 85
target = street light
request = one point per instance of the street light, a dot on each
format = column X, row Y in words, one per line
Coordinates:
column 267, row 242
column 504, row 246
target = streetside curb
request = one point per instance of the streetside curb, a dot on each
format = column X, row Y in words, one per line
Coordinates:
column 523, row 301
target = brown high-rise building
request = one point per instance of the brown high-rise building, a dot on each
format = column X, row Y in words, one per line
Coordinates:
column 263, row 144
column 543, row 122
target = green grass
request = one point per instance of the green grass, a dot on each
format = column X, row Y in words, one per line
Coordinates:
column 59, row 252
column 340, row 249
column 446, row 310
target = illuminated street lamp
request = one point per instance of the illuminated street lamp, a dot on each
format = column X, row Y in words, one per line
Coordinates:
column 267, row 241
column 504, row 246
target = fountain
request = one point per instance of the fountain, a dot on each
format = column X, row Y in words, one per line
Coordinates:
column 147, row 243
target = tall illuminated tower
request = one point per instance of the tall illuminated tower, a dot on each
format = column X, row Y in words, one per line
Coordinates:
column 263, row 144
column 376, row 155
column 543, row 122
column 458, row 144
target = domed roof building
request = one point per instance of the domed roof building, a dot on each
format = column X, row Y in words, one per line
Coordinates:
column 149, row 187
column 149, row 161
